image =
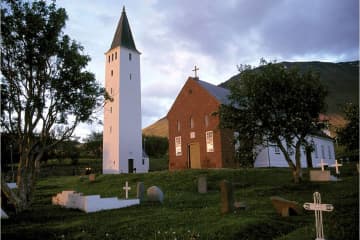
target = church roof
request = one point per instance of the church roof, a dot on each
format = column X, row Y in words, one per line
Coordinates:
column 221, row 94
column 123, row 36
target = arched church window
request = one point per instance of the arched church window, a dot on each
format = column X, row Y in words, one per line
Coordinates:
column 130, row 56
column 115, row 55
column 112, row 72
column 206, row 120
column 178, row 125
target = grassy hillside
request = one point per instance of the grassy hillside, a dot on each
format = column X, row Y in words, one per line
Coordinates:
column 341, row 80
column 186, row 214
column 159, row 128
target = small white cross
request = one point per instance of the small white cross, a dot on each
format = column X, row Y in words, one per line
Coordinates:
column 337, row 165
column 126, row 188
column 322, row 164
column 318, row 208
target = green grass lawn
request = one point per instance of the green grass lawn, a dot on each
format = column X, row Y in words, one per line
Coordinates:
column 185, row 214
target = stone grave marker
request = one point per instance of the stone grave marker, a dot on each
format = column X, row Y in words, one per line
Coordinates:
column 320, row 176
column 126, row 189
column 92, row 177
column 140, row 191
column 227, row 197
column 318, row 207
column 202, row 184
column 337, row 165
column 154, row 194
column 322, row 164
column 285, row 207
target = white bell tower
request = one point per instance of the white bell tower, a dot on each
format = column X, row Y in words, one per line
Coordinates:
column 122, row 140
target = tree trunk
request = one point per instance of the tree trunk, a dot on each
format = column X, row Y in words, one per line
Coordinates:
column 298, row 170
column 22, row 197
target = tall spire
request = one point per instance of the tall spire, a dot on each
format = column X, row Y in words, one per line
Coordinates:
column 123, row 36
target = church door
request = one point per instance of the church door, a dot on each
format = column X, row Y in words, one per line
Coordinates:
column 131, row 165
column 194, row 155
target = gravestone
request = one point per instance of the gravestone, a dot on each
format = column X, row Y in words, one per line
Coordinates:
column 285, row 207
column 126, row 189
column 320, row 176
column 318, row 207
column 202, row 184
column 154, row 194
column 227, row 197
column 140, row 191
column 92, row 177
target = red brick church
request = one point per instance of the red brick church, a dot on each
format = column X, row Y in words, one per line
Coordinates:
column 195, row 139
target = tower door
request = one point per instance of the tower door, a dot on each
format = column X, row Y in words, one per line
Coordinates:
column 131, row 165
column 194, row 155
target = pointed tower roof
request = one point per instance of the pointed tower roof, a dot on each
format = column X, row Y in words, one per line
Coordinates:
column 123, row 36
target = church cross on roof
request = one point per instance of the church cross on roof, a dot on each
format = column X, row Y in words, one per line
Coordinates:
column 123, row 36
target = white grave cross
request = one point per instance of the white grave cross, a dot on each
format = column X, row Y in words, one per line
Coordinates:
column 126, row 188
column 337, row 165
column 318, row 208
column 322, row 164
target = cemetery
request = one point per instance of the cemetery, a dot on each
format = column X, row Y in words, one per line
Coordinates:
column 192, row 206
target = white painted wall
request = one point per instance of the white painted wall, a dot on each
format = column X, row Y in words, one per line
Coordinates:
column 269, row 157
column 122, row 138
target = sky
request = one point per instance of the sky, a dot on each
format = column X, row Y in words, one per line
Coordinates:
column 175, row 35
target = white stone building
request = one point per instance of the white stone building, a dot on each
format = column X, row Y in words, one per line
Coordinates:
column 122, row 140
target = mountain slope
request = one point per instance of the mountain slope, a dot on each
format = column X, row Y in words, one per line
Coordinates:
column 341, row 80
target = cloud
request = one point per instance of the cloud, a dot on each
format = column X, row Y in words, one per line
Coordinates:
column 173, row 36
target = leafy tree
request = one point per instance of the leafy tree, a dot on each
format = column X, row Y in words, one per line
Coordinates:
column 45, row 88
column 155, row 146
column 273, row 104
column 349, row 135
column 94, row 144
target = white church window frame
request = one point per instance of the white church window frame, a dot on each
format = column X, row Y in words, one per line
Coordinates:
column 178, row 151
column 209, row 141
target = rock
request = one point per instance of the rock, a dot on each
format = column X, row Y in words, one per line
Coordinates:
column 154, row 194
column 285, row 207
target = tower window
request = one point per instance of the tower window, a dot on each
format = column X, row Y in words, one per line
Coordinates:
column 109, row 58
column 112, row 72
column 115, row 55
column 110, row 90
column 110, row 109
column 112, row 57
column 110, row 128
column 129, row 56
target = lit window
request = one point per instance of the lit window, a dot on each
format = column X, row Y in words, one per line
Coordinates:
column 191, row 122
